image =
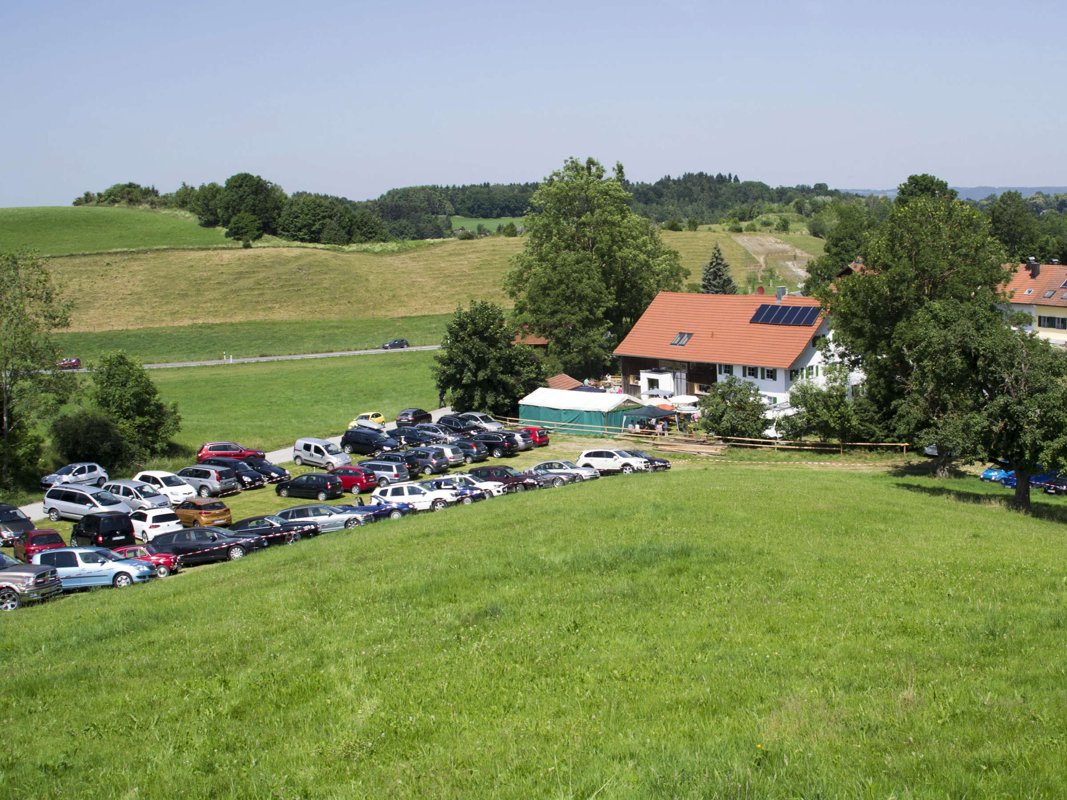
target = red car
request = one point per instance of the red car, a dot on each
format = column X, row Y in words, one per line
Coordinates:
column 165, row 563
column 70, row 363
column 29, row 543
column 227, row 450
column 539, row 435
column 356, row 479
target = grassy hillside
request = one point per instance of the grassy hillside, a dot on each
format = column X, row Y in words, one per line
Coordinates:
column 721, row 632
column 491, row 223
column 59, row 230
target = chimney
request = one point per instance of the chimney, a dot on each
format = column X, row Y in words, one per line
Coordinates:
column 1033, row 266
column 759, row 290
column 779, row 293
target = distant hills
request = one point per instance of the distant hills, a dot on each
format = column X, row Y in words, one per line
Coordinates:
column 974, row 192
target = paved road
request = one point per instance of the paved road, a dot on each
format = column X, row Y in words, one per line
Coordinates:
column 297, row 357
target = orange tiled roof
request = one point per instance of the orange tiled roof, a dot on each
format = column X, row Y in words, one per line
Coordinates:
column 563, row 381
column 1050, row 281
column 723, row 332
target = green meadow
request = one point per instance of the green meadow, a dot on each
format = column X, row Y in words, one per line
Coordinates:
column 721, row 630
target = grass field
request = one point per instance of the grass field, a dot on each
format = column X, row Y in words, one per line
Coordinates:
column 491, row 223
column 59, row 230
column 210, row 340
column 728, row 631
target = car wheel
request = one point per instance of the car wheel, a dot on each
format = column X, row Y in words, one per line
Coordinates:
column 121, row 580
column 427, row 471
column 395, row 514
column 53, row 514
column 467, row 501
column 355, row 490
column 383, row 482
column 354, row 522
column 100, row 482
column 235, row 553
column 437, row 505
column 298, row 461
column 627, row 469
column 347, row 448
column 557, row 482
column 162, row 570
column 203, row 491
column 518, row 487
column 497, row 453
column 283, row 492
column 9, row 600
column 321, row 497
column 292, row 537
column 467, row 459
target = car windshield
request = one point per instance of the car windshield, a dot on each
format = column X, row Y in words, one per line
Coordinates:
column 568, row 464
column 105, row 498
column 148, row 491
column 48, row 538
column 7, row 561
column 64, row 470
column 212, row 506
column 511, row 471
column 107, row 555
column 172, row 480
column 333, row 449
column 275, row 519
column 11, row 515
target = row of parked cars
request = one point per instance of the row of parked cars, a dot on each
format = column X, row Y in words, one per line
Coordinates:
column 1048, row 482
column 131, row 531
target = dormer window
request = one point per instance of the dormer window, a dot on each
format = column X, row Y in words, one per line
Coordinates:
column 1049, row 293
column 682, row 339
column 1029, row 291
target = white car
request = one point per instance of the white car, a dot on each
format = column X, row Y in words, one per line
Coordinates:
column 148, row 523
column 486, row 421
column 491, row 488
column 419, row 497
column 566, row 468
column 167, row 484
column 613, row 461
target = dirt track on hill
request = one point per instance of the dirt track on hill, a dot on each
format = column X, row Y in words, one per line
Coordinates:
column 770, row 251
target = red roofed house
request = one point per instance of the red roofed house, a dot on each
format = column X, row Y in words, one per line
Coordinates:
column 1040, row 290
column 685, row 342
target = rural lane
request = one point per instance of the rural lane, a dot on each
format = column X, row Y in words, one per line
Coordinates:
column 298, row 357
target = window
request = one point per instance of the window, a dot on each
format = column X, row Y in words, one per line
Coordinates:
column 726, row 369
column 751, row 372
column 682, row 339
column 1049, row 293
column 816, row 341
column 653, row 383
column 1056, row 323
column 794, row 374
column 703, row 388
column 768, row 374
column 1029, row 291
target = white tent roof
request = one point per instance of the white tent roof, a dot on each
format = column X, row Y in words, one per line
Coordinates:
column 568, row 400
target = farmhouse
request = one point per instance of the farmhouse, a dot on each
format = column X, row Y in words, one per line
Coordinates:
column 685, row 342
column 1040, row 290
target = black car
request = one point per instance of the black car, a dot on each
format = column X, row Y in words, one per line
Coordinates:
column 247, row 475
column 12, row 523
column 395, row 344
column 513, row 480
column 206, row 545
column 655, row 463
column 315, row 485
column 499, row 443
column 103, row 529
column 412, row 416
column 459, row 425
column 415, row 436
column 367, row 441
column 426, row 460
column 473, row 450
column 274, row 529
column 271, row 472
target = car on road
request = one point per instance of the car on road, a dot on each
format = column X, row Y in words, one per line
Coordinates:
column 203, row 512
column 103, row 529
column 137, row 494
column 272, row 473
column 167, row 484
column 395, row 344
column 318, row 453
column 207, row 545
column 313, row 485
column 512, row 480
column 30, row 543
column 211, row 481
column 655, row 463
column 84, row 567
column 165, row 563
column 227, row 450
column 367, row 441
column 148, row 523
column 12, row 523
column 247, row 476
column 412, row 416
column 275, row 529
column 606, row 461
column 26, row 583
column 567, row 468
column 356, row 479
column 386, row 472
column 72, row 501
column 422, row 498
column 328, row 518
column 83, row 472
column 71, row 362
column 486, row 422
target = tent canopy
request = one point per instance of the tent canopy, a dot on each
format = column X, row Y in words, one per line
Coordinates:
column 593, row 413
column 649, row 412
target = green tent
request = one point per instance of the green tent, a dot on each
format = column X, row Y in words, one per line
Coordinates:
column 568, row 411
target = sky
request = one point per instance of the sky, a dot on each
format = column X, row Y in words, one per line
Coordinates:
column 354, row 98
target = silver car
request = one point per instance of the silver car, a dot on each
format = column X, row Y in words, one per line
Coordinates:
column 486, row 421
column 566, row 468
column 85, row 472
column 328, row 518
column 74, row 502
column 137, row 494
column 81, row 567
column 210, row 481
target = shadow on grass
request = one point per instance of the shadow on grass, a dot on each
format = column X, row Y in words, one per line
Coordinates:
column 1038, row 510
column 924, row 469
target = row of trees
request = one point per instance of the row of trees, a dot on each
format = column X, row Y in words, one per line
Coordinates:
column 120, row 420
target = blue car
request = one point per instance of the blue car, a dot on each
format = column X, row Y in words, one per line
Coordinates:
column 82, row 567
column 373, row 512
column 1039, row 481
column 996, row 473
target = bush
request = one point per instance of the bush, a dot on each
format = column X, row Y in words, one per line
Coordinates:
column 89, row 435
column 734, row 227
column 782, row 225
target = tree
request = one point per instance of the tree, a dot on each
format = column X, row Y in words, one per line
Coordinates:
column 480, row 367
column 716, row 277
column 846, row 240
column 251, row 194
column 123, row 391
column 244, row 227
column 923, row 186
column 89, row 435
column 583, row 231
column 733, row 408
column 30, row 310
column 206, row 204
column 825, row 411
column 1015, row 226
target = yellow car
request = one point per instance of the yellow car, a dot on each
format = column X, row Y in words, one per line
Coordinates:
column 374, row 418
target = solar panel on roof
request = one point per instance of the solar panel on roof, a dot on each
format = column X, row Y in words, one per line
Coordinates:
column 791, row 315
column 774, row 314
column 811, row 313
column 761, row 313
